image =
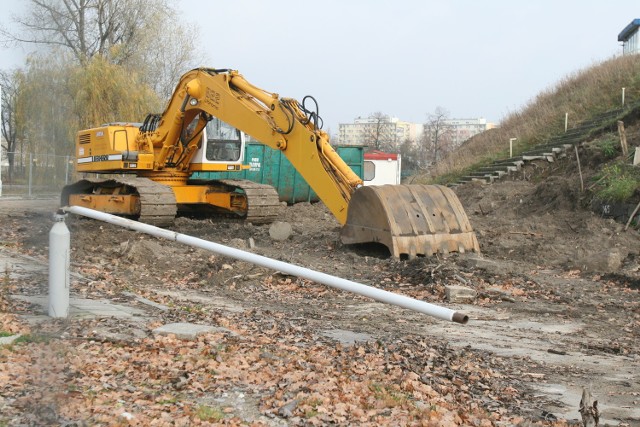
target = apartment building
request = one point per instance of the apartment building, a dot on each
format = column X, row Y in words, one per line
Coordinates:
column 463, row 129
column 391, row 131
column 377, row 132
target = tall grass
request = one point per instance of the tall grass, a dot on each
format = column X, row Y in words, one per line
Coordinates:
column 582, row 95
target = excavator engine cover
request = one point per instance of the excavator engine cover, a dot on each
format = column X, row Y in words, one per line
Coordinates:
column 410, row 220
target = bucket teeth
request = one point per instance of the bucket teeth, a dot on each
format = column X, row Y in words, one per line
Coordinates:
column 410, row 220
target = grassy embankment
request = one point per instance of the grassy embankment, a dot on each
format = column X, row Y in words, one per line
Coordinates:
column 582, row 95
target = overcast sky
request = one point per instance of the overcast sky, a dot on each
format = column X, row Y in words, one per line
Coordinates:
column 403, row 58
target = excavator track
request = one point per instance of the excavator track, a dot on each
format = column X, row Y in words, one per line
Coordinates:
column 157, row 202
column 263, row 201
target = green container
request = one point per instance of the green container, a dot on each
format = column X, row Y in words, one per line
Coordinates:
column 269, row 166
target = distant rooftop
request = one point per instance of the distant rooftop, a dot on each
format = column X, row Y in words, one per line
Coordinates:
column 629, row 30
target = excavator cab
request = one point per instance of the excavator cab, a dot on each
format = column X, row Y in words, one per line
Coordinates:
column 223, row 142
column 221, row 149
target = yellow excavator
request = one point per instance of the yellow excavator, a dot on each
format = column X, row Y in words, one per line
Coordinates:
column 144, row 170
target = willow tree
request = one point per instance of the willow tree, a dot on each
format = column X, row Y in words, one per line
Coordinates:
column 105, row 92
column 58, row 97
column 42, row 107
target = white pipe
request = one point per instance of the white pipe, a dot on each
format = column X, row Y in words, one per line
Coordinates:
column 511, row 146
column 566, row 122
column 59, row 258
column 294, row 270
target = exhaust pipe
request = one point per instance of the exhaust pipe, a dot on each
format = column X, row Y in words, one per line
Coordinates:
column 294, row 270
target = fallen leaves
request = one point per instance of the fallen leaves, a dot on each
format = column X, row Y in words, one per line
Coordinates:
column 292, row 374
column 277, row 366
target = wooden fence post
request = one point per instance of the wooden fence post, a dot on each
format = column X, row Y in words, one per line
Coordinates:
column 623, row 138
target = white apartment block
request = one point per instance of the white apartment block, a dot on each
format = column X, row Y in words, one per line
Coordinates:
column 463, row 129
column 388, row 130
column 391, row 130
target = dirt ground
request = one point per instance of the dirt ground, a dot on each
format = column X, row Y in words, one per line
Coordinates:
column 557, row 312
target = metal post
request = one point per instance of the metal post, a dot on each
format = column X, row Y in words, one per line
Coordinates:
column 30, row 171
column 0, row 142
column 566, row 121
column 59, row 253
column 66, row 171
column 295, row 270
column 623, row 97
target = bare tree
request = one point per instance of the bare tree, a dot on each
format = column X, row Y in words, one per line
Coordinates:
column 173, row 51
column 437, row 138
column 379, row 132
column 100, row 61
column 9, row 125
column 85, row 27
column 412, row 159
column 141, row 35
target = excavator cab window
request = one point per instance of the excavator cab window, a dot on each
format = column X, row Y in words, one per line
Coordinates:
column 223, row 142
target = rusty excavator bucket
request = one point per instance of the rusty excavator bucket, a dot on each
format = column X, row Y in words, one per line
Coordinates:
column 410, row 220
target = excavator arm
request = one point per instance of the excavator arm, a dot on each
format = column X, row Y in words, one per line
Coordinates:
column 280, row 123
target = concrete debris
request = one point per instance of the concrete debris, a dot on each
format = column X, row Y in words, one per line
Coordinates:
column 459, row 294
column 186, row 331
column 280, row 231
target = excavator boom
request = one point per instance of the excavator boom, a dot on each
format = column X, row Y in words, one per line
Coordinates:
column 279, row 123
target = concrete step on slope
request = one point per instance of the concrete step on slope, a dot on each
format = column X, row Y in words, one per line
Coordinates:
column 555, row 148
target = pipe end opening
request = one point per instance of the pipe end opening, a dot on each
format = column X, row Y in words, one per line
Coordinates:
column 460, row 318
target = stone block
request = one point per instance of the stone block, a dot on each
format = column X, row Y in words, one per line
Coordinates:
column 459, row 294
column 185, row 331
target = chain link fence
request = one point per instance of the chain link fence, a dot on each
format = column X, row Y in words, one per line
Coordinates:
column 35, row 174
